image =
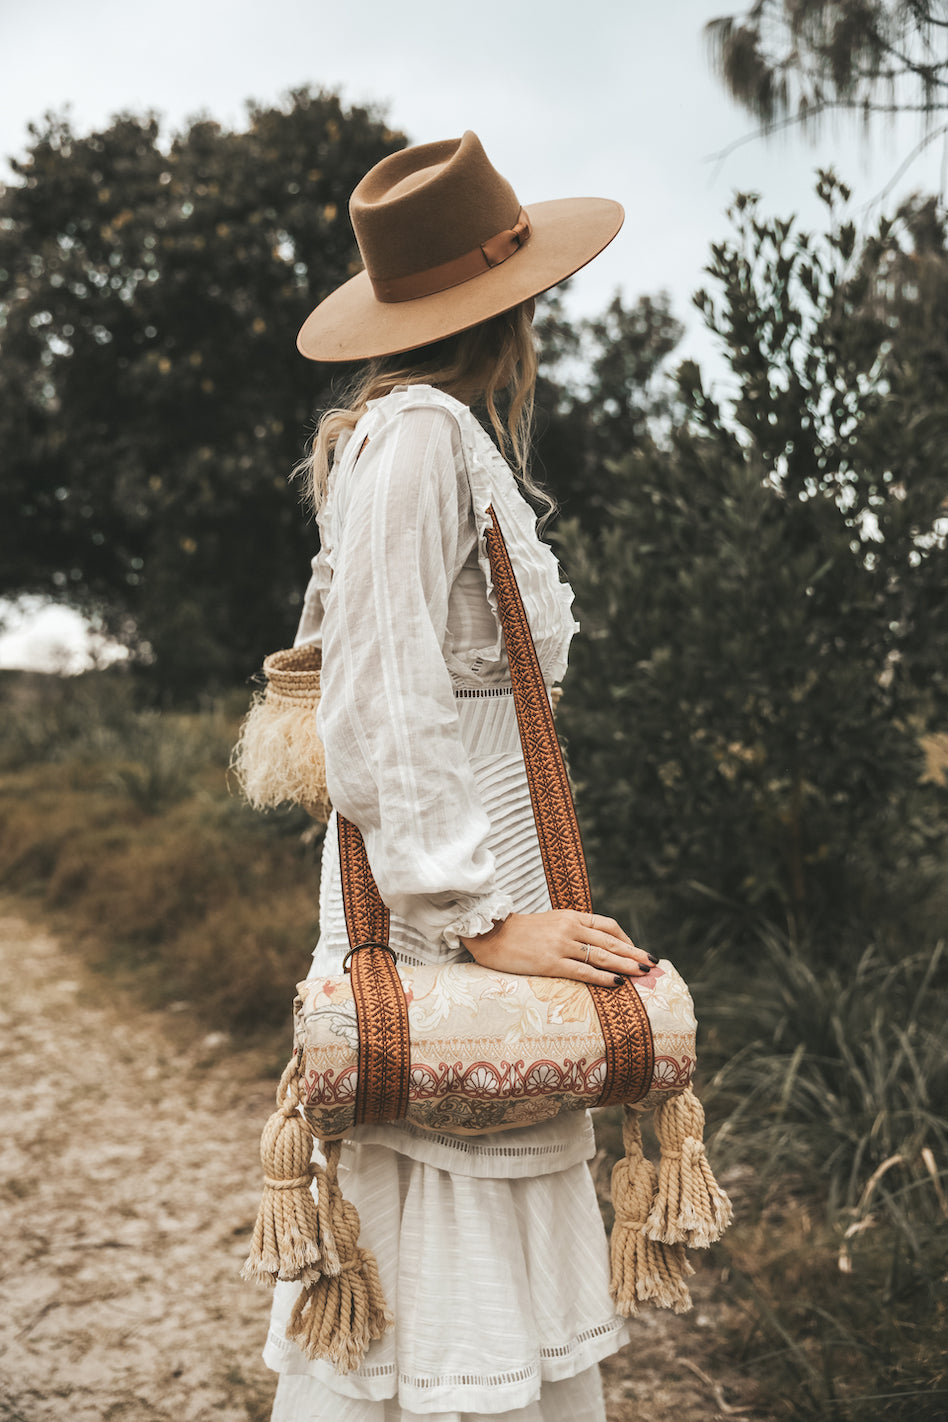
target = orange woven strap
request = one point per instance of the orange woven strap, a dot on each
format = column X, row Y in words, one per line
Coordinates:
column 630, row 1051
column 384, row 1037
column 564, row 862
column 630, row 1048
column 384, row 1066
column 366, row 914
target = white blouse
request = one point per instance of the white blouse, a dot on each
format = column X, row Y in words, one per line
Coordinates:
column 402, row 603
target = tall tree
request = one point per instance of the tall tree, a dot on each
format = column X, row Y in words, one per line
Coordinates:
column 604, row 390
column 766, row 609
column 786, row 59
column 151, row 400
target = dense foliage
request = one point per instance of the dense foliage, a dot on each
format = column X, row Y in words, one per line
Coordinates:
column 603, row 391
column 766, row 609
column 151, row 401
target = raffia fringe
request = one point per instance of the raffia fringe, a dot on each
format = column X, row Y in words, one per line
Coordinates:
column 315, row 1240
column 279, row 757
column 658, row 1213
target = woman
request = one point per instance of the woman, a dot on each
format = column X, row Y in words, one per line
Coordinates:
column 490, row 1248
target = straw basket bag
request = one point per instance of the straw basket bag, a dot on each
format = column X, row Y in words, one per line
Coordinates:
column 279, row 756
column 508, row 1050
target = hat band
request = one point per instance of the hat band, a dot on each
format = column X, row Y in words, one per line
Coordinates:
column 489, row 254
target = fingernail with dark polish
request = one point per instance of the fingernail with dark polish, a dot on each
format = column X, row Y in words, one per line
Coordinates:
column 652, row 958
column 618, row 980
column 645, row 968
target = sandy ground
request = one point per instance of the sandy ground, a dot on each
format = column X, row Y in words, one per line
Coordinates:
column 129, row 1180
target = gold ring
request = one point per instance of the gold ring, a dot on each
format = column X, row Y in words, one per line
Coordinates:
column 586, row 958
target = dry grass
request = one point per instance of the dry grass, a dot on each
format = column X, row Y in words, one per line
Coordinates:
column 123, row 824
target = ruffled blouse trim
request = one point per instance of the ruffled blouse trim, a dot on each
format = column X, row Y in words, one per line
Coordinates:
column 479, row 917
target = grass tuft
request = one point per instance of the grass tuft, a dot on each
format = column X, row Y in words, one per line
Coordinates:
column 837, row 1100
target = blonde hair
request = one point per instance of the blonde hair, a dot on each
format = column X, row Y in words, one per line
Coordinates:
column 491, row 361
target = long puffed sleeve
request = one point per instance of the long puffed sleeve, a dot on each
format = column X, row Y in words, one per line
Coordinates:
column 396, row 765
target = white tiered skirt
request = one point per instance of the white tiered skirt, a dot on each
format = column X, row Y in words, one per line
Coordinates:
column 491, row 1249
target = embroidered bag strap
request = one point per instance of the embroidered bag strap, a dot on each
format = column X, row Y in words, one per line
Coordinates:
column 381, row 1010
column 622, row 1015
column 630, row 1054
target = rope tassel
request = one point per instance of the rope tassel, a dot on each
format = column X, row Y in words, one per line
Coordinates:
column 313, row 1238
column 644, row 1270
column 285, row 1241
column 337, row 1316
column 689, row 1206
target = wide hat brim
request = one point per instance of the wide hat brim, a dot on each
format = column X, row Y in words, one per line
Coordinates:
column 352, row 324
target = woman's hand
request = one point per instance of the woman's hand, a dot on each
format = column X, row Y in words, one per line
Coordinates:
column 561, row 943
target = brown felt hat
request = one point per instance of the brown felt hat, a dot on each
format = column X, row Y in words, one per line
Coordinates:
column 446, row 244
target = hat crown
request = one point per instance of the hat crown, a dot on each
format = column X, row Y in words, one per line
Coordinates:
column 425, row 206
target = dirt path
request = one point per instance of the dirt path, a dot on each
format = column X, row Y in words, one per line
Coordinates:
column 129, row 1182
column 128, row 1176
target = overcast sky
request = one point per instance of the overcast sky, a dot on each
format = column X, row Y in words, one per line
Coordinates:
column 610, row 98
